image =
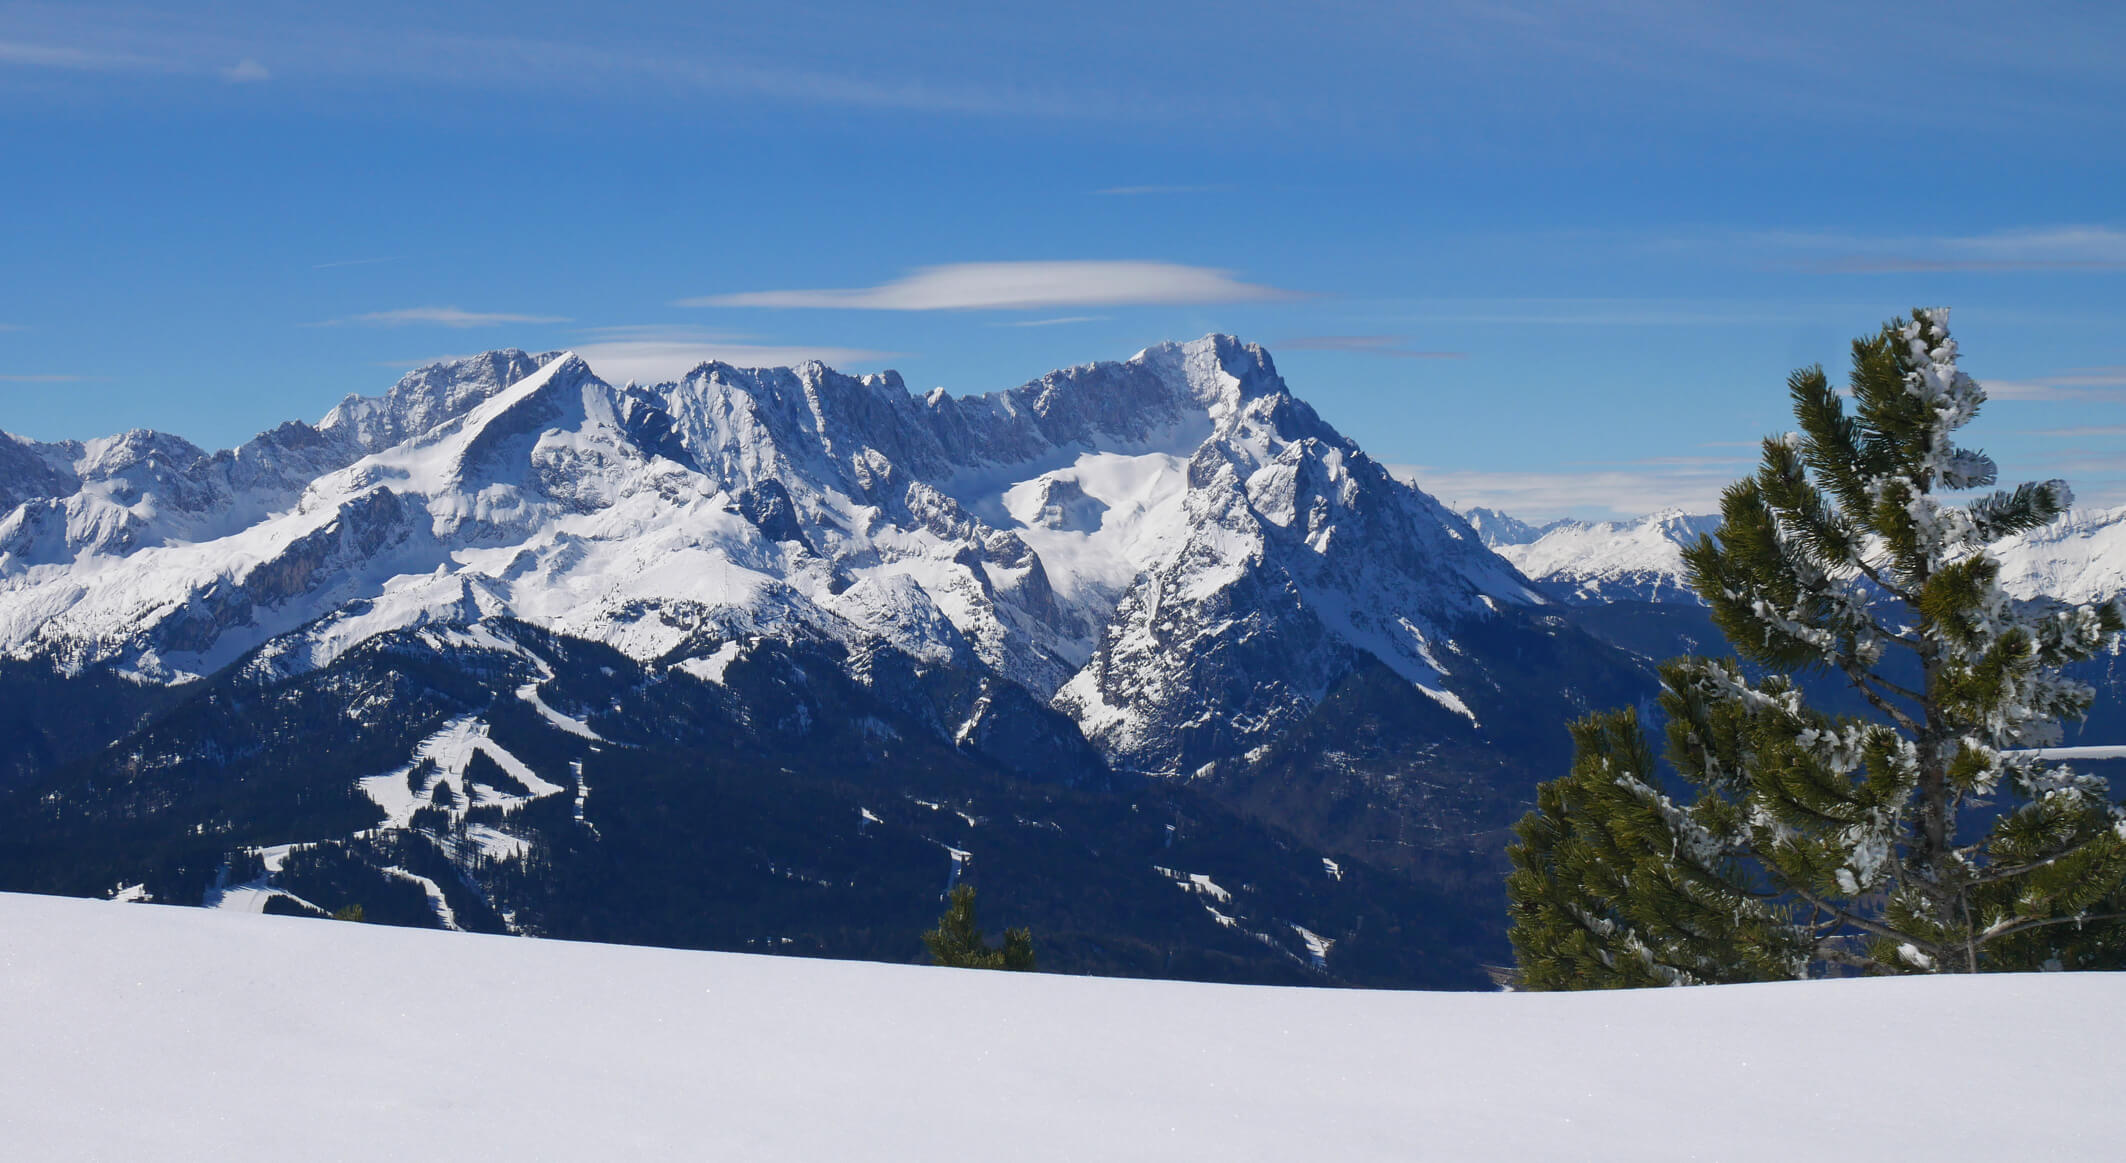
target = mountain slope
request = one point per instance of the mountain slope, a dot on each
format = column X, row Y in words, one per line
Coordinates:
column 500, row 778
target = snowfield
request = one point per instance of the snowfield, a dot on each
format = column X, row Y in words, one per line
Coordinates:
column 143, row 1032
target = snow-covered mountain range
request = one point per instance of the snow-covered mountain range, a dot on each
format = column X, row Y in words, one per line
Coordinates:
column 2079, row 558
column 458, row 652
column 1174, row 549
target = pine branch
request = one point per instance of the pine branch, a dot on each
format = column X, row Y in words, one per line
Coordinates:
column 1860, row 562
column 1887, row 686
column 2003, row 928
column 1996, row 876
column 1864, row 924
column 1826, row 951
column 1860, row 683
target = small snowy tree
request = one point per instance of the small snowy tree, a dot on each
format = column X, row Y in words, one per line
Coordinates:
column 1926, row 836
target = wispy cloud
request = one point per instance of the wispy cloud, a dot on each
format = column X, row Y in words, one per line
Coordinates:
column 351, row 262
column 58, row 56
column 1058, row 321
column 657, row 354
column 1139, row 191
column 2048, row 248
column 1600, row 492
column 1694, row 483
column 1020, row 286
column 13, row 327
column 424, row 361
column 2079, row 384
column 373, row 48
column 2081, row 431
column 1670, row 462
column 47, row 379
column 438, row 317
column 1570, row 312
column 1393, row 346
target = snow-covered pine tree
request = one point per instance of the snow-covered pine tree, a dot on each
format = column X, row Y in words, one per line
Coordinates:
column 1924, row 837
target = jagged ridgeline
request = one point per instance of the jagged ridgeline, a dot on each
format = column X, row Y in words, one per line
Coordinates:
column 765, row 658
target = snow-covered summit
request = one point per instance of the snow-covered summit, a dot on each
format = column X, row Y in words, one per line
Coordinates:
column 1173, row 546
column 428, row 396
column 1497, row 529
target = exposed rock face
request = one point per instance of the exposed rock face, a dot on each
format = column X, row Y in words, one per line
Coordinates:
column 427, row 397
column 30, row 471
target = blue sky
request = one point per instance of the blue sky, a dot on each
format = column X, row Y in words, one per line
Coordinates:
column 1557, row 258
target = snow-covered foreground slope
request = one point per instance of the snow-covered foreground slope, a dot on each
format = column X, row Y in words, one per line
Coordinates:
column 140, row 1032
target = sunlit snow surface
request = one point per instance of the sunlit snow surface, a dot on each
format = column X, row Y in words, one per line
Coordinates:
column 142, row 1032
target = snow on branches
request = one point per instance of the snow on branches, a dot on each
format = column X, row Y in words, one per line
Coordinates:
column 1813, row 843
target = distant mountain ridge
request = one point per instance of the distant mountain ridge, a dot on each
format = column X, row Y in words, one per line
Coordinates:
column 2079, row 558
column 1599, row 561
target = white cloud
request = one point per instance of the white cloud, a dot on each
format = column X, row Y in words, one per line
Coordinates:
column 2041, row 248
column 42, row 379
column 2081, row 431
column 55, row 56
column 1056, row 322
column 2090, row 383
column 1387, row 345
column 648, row 356
column 1529, row 312
column 1606, row 493
column 440, row 317
column 1020, row 285
column 246, row 70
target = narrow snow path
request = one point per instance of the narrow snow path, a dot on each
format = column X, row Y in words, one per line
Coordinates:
column 436, row 900
column 529, row 692
column 143, row 1032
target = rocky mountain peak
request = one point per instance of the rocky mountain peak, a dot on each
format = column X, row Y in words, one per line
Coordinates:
column 428, row 396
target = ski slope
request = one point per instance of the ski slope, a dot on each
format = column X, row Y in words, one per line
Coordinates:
column 144, row 1032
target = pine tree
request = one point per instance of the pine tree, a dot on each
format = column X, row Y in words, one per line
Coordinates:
column 1926, row 836
column 957, row 941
